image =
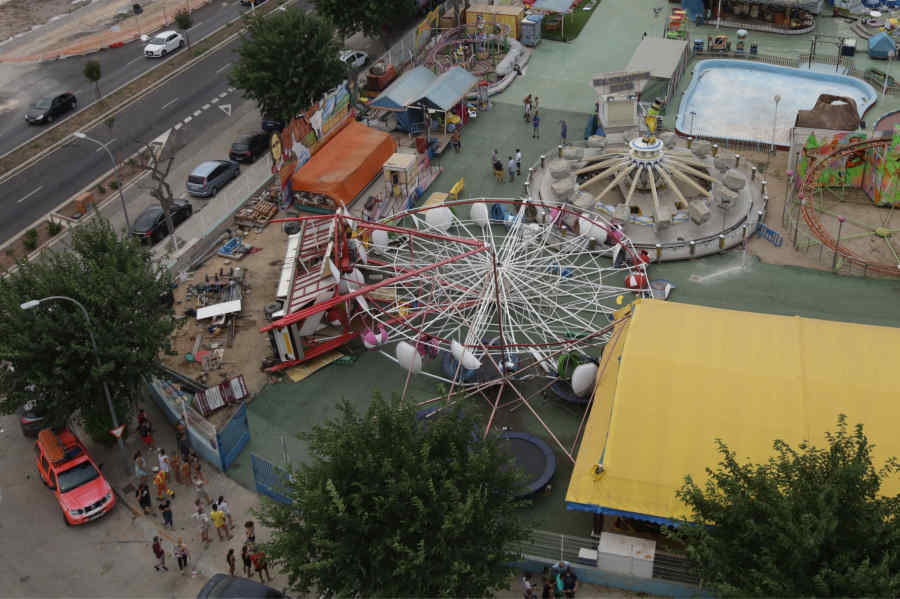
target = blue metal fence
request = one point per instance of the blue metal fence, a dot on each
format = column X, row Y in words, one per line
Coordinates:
column 233, row 437
column 270, row 479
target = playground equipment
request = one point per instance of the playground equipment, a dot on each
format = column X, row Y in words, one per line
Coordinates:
column 676, row 29
column 869, row 164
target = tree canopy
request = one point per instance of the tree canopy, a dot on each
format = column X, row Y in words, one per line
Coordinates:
column 390, row 507
column 809, row 522
column 48, row 347
column 374, row 18
column 287, row 60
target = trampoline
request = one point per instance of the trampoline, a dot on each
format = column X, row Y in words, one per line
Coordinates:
column 563, row 390
column 533, row 457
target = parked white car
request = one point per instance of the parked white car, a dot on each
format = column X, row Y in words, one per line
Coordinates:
column 354, row 58
column 163, row 43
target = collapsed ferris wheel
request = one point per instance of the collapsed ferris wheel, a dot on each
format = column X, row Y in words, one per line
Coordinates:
column 500, row 290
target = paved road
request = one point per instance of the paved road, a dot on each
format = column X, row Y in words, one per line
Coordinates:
column 23, row 84
column 199, row 96
column 45, row 558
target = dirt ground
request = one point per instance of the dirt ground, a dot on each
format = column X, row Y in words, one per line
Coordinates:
column 18, row 16
column 250, row 347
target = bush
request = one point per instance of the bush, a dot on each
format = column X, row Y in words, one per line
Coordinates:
column 11, row 252
column 100, row 188
column 114, row 185
column 30, row 239
column 183, row 19
column 53, row 228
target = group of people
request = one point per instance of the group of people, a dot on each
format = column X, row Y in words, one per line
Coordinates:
column 513, row 166
column 557, row 582
column 185, row 466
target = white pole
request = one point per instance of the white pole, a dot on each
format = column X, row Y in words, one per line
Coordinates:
column 719, row 14
column 775, row 120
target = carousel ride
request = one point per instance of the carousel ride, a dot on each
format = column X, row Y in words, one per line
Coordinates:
column 481, row 295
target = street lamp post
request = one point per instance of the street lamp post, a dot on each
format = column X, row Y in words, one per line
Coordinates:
column 693, row 114
column 112, row 412
column 775, row 120
column 109, row 153
column 837, row 245
column 719, row 14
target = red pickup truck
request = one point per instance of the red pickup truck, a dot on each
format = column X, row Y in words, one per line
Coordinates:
column 67, row 470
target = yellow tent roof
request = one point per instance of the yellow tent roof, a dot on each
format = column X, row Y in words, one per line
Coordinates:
column 675, row 377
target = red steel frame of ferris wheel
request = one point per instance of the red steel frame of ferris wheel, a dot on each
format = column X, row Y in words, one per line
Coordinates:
column 321, row 307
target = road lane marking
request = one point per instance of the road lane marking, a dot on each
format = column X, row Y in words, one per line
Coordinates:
column 135, row 60
column 30, row 194
column 205, row 107
column 178, row 126
column 226, row 108
column 223, row 67
column 223, row 94
column 196, row 25
column 188, row 120
column 109, row 143
column 167, row 104
column 230, row 89
column 214, row 100
column 198, row 112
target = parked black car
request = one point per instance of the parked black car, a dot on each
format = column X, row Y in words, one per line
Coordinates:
column 272, row 124
column 32, row 418
column 249, row 147
column 150, row 225
column 47, row 109
column 223, row 586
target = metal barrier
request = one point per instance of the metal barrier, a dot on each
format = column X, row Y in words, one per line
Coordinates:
column 233, row 437
column 269, row 479
column 770, row 235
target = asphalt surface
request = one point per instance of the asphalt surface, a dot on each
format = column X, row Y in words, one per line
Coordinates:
column 196, row 100
column 118, row 66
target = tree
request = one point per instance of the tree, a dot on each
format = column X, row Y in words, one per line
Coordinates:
column 391, row 507
column 157, row 160
column 49, row 347
column 809, row 522
column 287, row 61
column 371, row 17
column 92, row 73
column 184, row 21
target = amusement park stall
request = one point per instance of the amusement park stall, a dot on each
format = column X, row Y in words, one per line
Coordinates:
column 664, row 59
column 507, row 17
column 447, row 94
column 346, row 165
column 401, row 94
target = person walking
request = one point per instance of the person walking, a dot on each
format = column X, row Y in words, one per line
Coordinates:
column 511, row 169
column 203, row 521
column 218, row 519
column 165, row 507
column 162, row 489
column 245, row 557
column 498, row 171
column 527, row 587
column 145, row 430
column 535, row 126
column 199, row 482
column 223, row 505
column 143, row 496
column 527, row 108
column 563, row 132
column 259, row 563
column 164, row 464
column 250, row 532
column 231, row 561
column 186, row 470
column 570, row 583
column 160, row 555
column 537, row 104
column 182, row 555
column 455, row 141
column 182, row 441
column 518, row 162
column 142, row 416
column 140, row 467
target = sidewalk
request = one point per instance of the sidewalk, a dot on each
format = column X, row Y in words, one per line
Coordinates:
column 206, row 561
column 92, row 28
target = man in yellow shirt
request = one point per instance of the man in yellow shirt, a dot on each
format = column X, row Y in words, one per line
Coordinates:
column 218, row 518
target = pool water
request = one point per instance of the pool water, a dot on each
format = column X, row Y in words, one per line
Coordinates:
column 735, row 99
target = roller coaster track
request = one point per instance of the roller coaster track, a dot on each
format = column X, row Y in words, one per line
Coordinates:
column 456, row 36
column 811, row 215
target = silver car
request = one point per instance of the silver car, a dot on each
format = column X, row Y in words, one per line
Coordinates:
column 211, row 176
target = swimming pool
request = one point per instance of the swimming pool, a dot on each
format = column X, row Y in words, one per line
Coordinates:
column 735, row 99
